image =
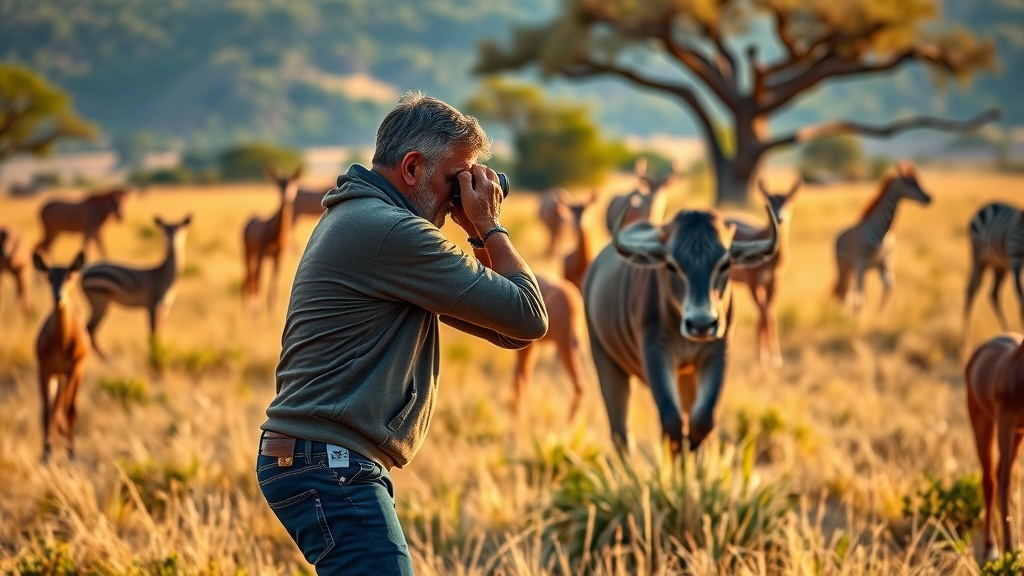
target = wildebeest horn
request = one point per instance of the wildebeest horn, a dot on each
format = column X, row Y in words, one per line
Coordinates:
column 753, row 252
column 641, row 243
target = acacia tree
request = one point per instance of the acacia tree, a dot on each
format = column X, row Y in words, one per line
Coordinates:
column 819, row 40
column 35, row 114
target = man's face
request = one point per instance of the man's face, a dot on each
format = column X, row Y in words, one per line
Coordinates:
column 432, row 193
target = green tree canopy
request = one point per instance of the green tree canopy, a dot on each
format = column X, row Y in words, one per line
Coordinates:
column 704, row 54
column 556, row 143
column 248, row 161
column 35, row 115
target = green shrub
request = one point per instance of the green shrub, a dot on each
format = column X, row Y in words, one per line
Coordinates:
column 128, row 390
column 45, row 558
column 1009, row 564
column 712, row 504
column 958, row 506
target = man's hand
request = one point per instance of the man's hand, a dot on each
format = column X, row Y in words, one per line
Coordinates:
column 481, row 205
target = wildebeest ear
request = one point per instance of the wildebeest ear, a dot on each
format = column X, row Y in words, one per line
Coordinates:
column 37, row 261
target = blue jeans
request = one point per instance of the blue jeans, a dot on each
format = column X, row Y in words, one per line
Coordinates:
column 343, row 519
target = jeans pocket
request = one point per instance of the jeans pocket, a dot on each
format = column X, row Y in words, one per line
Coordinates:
column 303, row 517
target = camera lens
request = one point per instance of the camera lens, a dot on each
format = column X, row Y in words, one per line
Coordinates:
column 457, row 190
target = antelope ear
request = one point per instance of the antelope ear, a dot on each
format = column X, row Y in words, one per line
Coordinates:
column 641, row 243
column 77, row 264
column 158, row 221
column 298, row 172
column 754, row 252
column 271, row 172
column 796, row 187
column 187, row 220
column 640, row 166
column 761, row 186
column 37, row 261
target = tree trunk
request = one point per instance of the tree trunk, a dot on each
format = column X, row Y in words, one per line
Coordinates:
column 732, row 182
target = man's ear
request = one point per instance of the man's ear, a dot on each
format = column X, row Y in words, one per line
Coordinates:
column 411, row 167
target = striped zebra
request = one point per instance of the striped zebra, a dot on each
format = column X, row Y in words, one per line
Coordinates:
column 997, row 242
column 868, row 243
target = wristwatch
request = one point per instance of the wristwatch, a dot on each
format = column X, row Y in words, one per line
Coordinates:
column 479, row 242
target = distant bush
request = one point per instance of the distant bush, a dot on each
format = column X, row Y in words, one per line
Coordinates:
column 1009, row 564
column 247, row 162
column 46, row 558
column 173, row 176
column 839, row 156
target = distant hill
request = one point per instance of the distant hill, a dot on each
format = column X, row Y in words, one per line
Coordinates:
column 306, row 73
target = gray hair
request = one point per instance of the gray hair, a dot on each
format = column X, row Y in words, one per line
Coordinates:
column 430, row 126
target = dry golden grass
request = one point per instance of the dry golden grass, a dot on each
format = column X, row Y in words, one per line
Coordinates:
column 164, row 478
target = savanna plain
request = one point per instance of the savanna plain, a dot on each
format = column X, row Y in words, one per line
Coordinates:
column 853, row 458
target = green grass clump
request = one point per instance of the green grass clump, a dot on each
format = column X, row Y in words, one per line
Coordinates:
column 958, row 505
column 128, row 390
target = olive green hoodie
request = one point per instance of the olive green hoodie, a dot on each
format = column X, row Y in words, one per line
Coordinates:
column 360, row 352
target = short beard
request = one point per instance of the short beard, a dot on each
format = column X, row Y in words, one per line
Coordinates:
column 427, row 202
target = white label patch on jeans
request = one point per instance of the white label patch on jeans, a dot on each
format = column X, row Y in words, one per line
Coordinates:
column 337, row 457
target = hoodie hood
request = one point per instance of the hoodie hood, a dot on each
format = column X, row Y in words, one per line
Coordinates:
column 359, row 182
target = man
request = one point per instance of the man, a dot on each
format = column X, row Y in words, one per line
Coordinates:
column 357, row 378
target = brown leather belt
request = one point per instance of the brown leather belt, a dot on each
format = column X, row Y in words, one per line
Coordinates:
column 280, row 446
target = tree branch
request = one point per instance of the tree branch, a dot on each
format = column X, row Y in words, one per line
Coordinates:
column 822, row 130
column 710, row 74
column 586, row 68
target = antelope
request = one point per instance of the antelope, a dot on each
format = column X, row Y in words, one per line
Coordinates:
column 556, row 216
column 868, row 243
column 15, row 260
column 761, row 279
column 997, row 242
column 645, row 203
column 267, row 238
column 61, row 350
column 565, row 325
column 659, row 307
column 149, row 288
column 576, row 262
column 308, row 203
column 995, row 403
column 86, row 217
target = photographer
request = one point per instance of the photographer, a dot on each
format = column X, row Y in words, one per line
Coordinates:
column 358, row 373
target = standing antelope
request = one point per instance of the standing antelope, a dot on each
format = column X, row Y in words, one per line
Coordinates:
column 576, row 262
column 556, row 216
column 761, row 279
column 644, row 204
column 997, row 242
column 868, row 243
column 86, row 217
column 149, row 288
column 995, row 403
column 659, row 307
column 565, row 330
column 308, row 203
column 14, row 259
column 61, row 349
column 267, row 238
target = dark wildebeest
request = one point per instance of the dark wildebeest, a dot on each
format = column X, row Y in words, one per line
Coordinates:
column 85, row 217
column 659, row 307
column 14, row 258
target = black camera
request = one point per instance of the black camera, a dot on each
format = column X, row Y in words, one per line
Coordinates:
column 457, row 190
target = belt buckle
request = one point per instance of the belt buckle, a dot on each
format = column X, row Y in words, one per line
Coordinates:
column 285, row 461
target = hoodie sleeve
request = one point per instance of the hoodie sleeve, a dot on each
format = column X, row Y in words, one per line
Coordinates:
column 417, row 264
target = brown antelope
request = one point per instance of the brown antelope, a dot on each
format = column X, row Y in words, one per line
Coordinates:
column 149, row 288
column 86, row 217
column 565, row 330
column 556, row 216
column 61, row 349
column 267, row 238
column 761, row 279
column 576, row 262
column 995, row 403
column 647, row 202
column 658, row 305
column 14, row 259
column 308, row 203
column 868, row 243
